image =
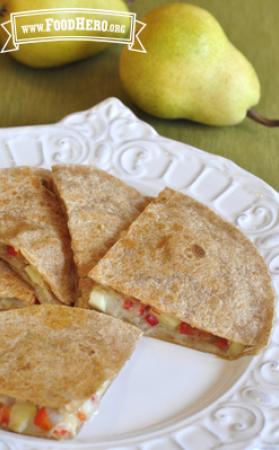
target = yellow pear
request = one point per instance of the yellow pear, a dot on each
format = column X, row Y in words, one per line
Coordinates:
column 52, row 54
column 190, row 70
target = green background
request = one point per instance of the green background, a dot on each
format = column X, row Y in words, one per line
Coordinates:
column 42, row 96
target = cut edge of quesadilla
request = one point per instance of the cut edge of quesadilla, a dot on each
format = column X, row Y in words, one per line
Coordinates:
column 163, row 326
column 35, row 240
column 192, row 270
column 28, row 418
column 98, row 207
column 14, row 258
column 14, row 292
column 52, row 394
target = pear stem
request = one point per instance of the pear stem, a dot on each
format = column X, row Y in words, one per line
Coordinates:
column 257, row 117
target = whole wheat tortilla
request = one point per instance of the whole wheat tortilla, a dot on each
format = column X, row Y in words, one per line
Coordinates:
column 183, row 259
column 13, row 287
column 32, row 221
column 99, row 206
column 52, row 355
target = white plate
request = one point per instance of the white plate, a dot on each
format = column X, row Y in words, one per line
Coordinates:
column 168, row 397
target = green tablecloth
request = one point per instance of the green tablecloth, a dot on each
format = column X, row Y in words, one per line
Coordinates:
column 42, row 96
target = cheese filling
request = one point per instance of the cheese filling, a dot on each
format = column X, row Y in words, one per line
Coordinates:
column 157, row 324
column 28, row 272
column 64, row 423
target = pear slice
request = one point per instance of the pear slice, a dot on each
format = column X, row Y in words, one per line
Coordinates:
column 22, row 413
column 235, row 349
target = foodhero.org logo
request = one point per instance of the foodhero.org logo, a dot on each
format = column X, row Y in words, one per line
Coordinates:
column 66, row 24
column 77, row 24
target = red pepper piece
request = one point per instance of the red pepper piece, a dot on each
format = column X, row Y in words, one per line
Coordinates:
column 11, row 251
column 185, row 328
column 152, row 320
column 5, row 412
column 42, row 420
column 36, row 302
column 81, row 416
column 128, row 303
column 221, row 343
column 61, row 432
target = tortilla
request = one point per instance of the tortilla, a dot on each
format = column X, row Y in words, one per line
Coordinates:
column 99, row 207
column 14, row 292
column 57, row 357
column 33, row 227
column 185, row 261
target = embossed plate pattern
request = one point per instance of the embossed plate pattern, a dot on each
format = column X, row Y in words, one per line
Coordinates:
column 168, row 397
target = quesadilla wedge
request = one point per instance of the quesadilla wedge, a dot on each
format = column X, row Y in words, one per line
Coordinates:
column 34, row 239
column 99, row 207
column 56, row 363
column 14, row 292
column 183, row 274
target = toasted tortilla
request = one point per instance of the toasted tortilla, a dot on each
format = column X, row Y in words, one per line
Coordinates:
column 14, row 292
column 99, row 207
column 56, row 363
column 186, row 261
column 58, row 357
column 32, row 222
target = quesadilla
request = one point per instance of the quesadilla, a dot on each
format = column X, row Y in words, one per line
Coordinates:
column 99, row 207
column 183, row 274
column 34, row 239
column 56, row 363
column 14, row 292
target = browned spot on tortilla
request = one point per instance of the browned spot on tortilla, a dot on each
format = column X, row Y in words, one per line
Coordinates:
column 128, row 243
column 198, row 251
column 177, row 227
column 162, row 242
column 164, row 247
column 87, row 349
column 55, row 322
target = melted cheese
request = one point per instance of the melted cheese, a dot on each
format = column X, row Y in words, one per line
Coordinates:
column 66, row 421
column 167, row 327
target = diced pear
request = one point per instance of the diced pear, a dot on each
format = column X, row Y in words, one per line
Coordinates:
column 235, row 348
column 167, row 320
column 98, row 299
column 22, row 413
column 34, row 275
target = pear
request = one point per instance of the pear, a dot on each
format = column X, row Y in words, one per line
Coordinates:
column 52, row 54
column 190, row 70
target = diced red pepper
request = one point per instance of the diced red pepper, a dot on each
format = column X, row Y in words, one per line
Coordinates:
column 128, row 303
column 42, row 420
column 36, row 302
column 221, row 343
column 81, row 416
column 61, row 432
column 11, row 251
column 152, row 320
column 5, row 412
column 185, row 328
